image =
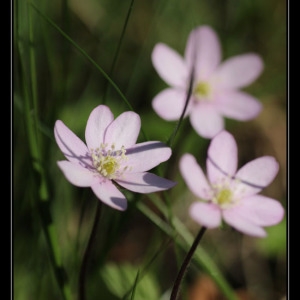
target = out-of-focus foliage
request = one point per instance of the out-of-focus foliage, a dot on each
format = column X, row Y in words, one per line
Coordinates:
column 122, row 279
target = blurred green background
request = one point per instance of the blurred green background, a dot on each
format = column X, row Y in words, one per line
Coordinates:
column 61, row 83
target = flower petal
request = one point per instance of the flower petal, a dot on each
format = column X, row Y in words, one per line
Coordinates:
column 256, row 175
column 205, row 214
column 169, row 104
column 261, row 210
column 170, row 66
column 204, row 51
column 73, row 148
column 237, row 221
column 109, row 194
column 206, row 120
column 145, row 183
column 222, row 157
column 97, row 123
column 78, row 175
column 238, row 71
column 145, row 156
column 194, row 177
column 124, row 130
column 238, row 105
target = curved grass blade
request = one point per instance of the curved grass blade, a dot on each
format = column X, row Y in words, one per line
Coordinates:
column 118, row 47
column 89, row 59
column 184, row 239
column 83, row 52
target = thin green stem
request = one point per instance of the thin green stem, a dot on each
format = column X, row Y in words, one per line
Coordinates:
column 41, row 196
column 135, row 285
column 87, row 254
column 53, row 248
column 118, row 48
column 184, row 240
column 83, row 52
column 33, row 74
column 185, row 264
column 187, row 100
column 147, row 266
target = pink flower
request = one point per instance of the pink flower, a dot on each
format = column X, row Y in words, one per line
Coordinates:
column 230, row 194
column 215, row 90
column 110, row 156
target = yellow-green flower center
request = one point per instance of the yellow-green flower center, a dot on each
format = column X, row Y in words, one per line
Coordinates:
column 109, row 163
column 202, row 89
column 224, row 197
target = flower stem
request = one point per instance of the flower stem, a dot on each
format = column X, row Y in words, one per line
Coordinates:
column 187, row 100
column 84, row 264
column 185, row 264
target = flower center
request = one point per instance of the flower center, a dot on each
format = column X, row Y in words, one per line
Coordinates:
column 202, row 90
column 109, row 162
column 224, row 197
column 109, row 165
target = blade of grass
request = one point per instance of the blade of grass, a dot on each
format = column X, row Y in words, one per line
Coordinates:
column 92, row 61
column 185, row 242
column 144, row 270
column 84, row 53
column 41, row 203
column 135, row 285
column 118, row 47
column 41, row 198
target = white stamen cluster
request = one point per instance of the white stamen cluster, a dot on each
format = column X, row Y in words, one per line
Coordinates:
column 109, row 163
column 224, row 195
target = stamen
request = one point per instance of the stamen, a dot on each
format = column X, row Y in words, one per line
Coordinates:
column 224, row 194
column 224, row 197
column 202, row 89
column 108, row 162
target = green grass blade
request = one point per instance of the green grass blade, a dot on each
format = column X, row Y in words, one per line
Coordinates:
column 84, row 53
column 91, row 60
column 184, row 239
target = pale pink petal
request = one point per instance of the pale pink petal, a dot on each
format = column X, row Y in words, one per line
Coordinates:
column 260, row 210
column 96, row 125
column 124, row 130
column 238, row 71
column 72, row 147
column 222, row 157
column 237, row 221
column 109, row 194
column 238, row 105
column 206, row 120
column 203, row 51
column 194, row 177
column 170, row 66
column 169, row 104
column 144, row 182
column 145, row 156
column 206, row 214
column 77, row 175
column 255, row 176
